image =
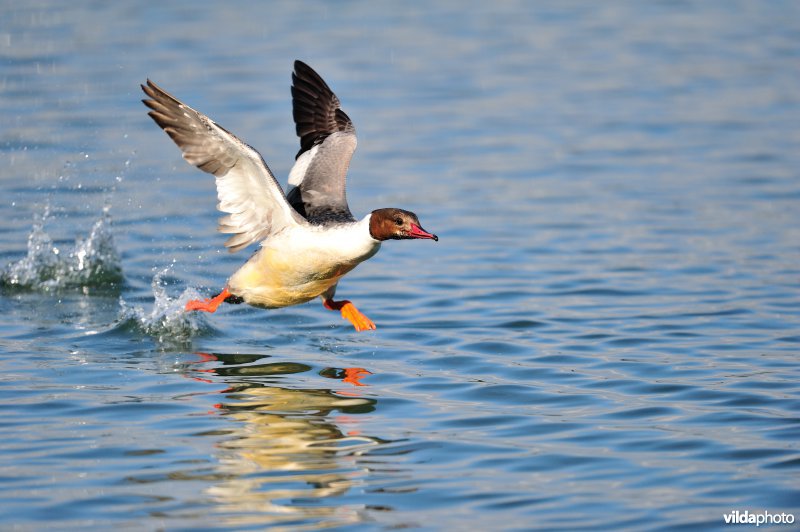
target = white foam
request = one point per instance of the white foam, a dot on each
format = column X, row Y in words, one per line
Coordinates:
column 166, row 321
column 92, row 262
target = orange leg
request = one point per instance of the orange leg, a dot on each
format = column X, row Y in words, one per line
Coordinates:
column 350, row 313
column 208, row 305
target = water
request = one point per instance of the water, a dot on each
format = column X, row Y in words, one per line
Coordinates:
column 605, row 336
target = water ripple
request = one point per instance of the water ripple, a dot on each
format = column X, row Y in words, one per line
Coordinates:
column 605, row 336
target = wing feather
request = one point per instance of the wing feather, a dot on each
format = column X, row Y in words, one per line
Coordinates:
column 327, row 142
column 246, row 188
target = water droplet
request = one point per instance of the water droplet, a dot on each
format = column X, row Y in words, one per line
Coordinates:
column 93, row 261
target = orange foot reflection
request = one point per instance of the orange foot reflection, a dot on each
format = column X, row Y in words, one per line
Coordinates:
column 349, row 375
column 352, row 375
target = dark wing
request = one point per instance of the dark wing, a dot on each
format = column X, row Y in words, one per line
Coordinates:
column 327, row 143
column 246, row 188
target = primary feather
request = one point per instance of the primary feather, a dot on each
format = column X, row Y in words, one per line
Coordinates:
column 246, row 188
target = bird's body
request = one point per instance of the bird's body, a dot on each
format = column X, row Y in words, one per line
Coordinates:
column 302, row 263
column 309, row 239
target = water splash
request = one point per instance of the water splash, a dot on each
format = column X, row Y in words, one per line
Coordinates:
column 167, row 321
column 92, row 262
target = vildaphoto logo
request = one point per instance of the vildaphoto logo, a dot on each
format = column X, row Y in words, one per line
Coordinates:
column 761, row 518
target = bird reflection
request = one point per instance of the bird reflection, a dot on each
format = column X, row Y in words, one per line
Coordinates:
column 288, row 451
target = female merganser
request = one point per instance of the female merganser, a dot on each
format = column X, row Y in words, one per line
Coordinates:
column 309, row 239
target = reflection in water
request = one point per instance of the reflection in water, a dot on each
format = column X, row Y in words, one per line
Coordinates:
column 287, row 454
column 349, row 375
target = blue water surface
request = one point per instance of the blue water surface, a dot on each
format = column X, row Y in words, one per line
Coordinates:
column 605, row 337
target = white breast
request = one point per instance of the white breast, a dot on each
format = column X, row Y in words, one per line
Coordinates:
column 348, row 242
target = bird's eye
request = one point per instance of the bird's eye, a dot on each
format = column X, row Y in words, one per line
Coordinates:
column 398, row 221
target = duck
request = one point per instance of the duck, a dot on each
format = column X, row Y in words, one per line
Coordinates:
column 307, row 238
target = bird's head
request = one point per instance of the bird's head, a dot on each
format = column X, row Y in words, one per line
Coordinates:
column 396, row 224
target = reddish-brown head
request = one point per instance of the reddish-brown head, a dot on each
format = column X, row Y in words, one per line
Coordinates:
column 396, row 224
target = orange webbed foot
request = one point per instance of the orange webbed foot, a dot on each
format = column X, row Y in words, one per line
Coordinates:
column 359, row 320
column 351, row 314
column 208, row 305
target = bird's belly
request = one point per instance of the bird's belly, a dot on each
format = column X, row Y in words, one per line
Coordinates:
column 274, row 279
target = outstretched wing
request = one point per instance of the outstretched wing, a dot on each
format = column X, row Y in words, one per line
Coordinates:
column 246, row 188
column 327, row 143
